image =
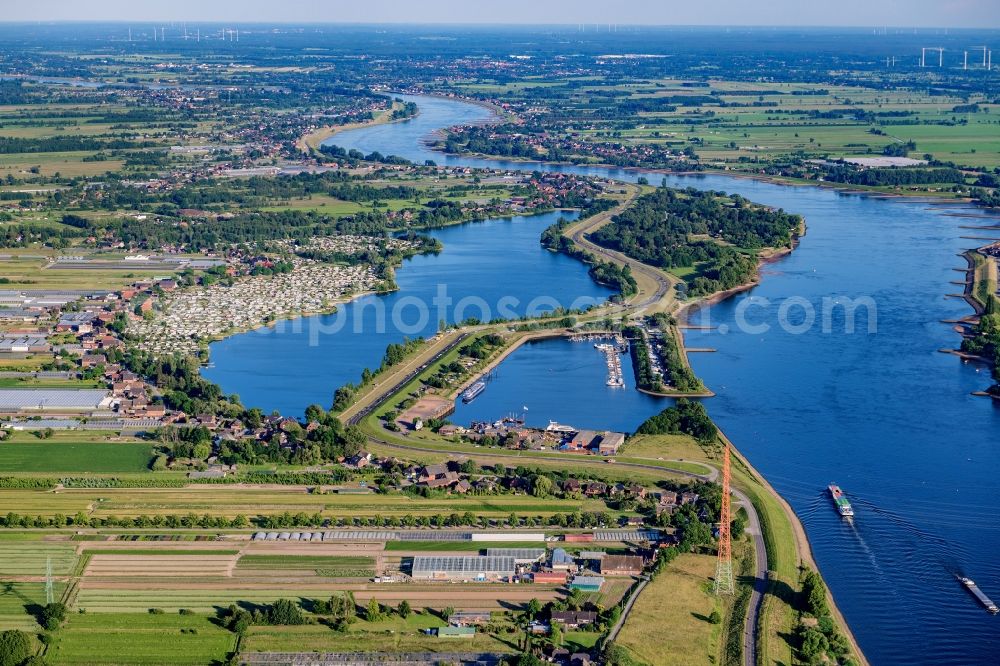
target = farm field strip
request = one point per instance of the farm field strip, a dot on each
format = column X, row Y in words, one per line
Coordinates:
column 158, row 566
column 207, row 597
column 29, row 559
column 234, row 501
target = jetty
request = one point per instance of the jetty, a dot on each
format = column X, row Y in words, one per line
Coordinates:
column 612, row 355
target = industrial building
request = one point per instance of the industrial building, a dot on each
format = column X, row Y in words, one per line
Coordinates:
column 460, row 567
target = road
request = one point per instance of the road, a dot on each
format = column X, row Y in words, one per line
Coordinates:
column 752, row 621
column 386, row 394
column 578, row 234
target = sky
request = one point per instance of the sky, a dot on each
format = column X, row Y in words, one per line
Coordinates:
column 893, row 13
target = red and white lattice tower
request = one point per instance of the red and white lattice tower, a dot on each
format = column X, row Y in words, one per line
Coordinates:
column 724, row 583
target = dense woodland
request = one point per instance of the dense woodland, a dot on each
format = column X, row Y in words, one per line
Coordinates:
column 603, row 272
column 683, row 229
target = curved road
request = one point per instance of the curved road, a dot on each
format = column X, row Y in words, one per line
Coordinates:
column 578, row 234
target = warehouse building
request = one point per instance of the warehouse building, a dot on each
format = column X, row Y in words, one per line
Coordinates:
column 461, row 567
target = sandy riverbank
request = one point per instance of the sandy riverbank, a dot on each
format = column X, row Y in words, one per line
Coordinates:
column 311, row 142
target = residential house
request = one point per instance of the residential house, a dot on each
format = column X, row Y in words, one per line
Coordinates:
column 574, row 619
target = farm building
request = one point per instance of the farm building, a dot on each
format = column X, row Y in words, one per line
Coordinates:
column 507, row 536
column 462, row 567
column 23, row 344
column 578, row 538
column 54, row 400
column 556, row 577
column 587, row 583
column 562, row 560
column 456, row 632
column 591, row 555
column 520, row 555
column 625, row 535
column 622, row 565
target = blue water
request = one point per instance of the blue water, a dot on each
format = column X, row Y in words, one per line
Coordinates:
column 487, row 269
column 562, row 381
column 884, row 414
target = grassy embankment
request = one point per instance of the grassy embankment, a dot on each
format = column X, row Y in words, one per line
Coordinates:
column 984, row 280
column 787, row 547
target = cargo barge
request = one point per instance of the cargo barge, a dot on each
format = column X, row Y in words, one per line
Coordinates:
column 843, row 507
column 971, row 586
column 473, row 391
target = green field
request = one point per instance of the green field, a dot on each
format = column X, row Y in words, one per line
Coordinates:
column 225, row 500
column 28, row 558
column 64, row 457
column 680, row 593
column 140, row 640
column 391, row 635
column 331, row 566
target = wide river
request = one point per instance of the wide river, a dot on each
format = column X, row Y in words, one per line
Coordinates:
column 878, row 410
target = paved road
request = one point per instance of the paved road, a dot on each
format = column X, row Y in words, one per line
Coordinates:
column 613, row 634
column 578, row 234
column 385, row 395
column 752, row 623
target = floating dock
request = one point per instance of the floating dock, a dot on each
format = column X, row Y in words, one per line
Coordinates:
column 611, row 354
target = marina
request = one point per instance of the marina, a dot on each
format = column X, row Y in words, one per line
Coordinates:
column 612, row 353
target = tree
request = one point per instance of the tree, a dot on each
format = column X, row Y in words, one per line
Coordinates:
column 373, row 612
column 715, row 617
column 285, row 612
column 541, row 486
column 533, row 608
column 815, row 594
column 814, row 643
column 15, row 647
column 556, row 636
column 403, row 609
column 447, row 613
column 52, row 615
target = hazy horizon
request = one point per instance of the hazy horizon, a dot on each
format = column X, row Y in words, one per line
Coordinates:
column 897, row 14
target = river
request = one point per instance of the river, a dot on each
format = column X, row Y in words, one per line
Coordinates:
column 881, row 412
